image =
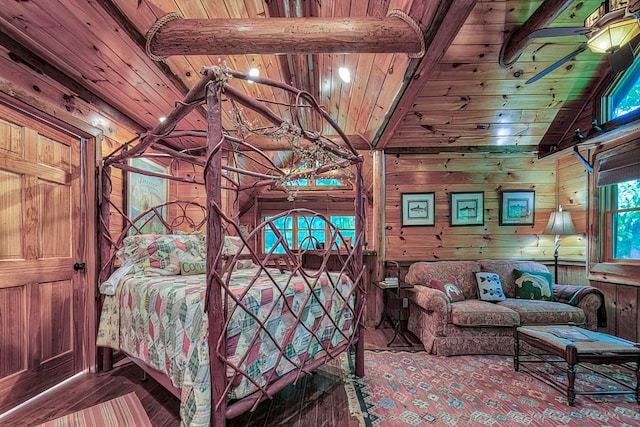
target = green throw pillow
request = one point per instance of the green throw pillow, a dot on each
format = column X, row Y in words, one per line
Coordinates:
column 533, row 285
column 194, row 267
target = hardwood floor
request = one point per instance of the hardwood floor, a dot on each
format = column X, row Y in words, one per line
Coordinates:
column 316, row 400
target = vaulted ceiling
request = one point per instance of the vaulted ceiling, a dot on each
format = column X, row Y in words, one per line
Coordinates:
column 455, row 97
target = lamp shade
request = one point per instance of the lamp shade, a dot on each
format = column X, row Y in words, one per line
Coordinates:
column 560, row 224
column 614, row 36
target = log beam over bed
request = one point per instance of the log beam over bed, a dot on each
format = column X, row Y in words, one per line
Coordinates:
column 239, row 333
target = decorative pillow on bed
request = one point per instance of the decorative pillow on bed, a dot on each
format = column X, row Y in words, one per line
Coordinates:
column 449, row 286
column 233, row 245
column 489, row 287
column 194, row 267
column 159, row 254
column 533, row 285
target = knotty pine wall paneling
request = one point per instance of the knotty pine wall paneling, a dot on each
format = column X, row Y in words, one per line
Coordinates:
column 453, row 172
column 573, row 196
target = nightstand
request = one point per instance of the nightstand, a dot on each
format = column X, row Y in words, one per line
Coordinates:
column 395, row 309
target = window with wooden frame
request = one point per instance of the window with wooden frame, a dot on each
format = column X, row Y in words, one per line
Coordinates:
column 306, row 232
column 616, row 241
column 322, row 182
column 623, row 98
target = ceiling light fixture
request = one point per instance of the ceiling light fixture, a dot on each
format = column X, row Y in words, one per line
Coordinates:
column 614, row 36
column 162, row 119
column 253, row 72
column 344, row 74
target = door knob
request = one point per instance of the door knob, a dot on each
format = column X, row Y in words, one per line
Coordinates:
column 79, row 266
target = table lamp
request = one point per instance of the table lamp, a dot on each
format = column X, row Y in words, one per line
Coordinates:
column 560, row 224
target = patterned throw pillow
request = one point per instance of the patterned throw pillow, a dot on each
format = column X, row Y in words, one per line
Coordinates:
column 533, row 285
column 160, row 255
column 234, row 245
column 489, row 287
column 192, row 268
column 449, row 286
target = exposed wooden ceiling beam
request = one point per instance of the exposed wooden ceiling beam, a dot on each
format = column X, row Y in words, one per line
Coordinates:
column 438, row 37
column 519, row 39
column 283, row 35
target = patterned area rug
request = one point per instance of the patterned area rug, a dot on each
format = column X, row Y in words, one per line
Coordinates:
column 124, row 411
column 403, row 388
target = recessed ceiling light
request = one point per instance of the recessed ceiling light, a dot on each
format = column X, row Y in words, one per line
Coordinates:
column 345, row 74
column 162, row 119
column 253, row 72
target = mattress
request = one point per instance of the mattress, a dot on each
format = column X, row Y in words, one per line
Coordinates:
column 161, row 321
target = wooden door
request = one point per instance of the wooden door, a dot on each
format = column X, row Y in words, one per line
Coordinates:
column 42, row 297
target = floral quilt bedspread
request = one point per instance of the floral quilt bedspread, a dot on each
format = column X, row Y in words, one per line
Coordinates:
column 161, row 320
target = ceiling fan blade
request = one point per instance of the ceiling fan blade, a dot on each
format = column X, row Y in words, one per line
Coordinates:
column 621, row 59
column 557, row 64
column 559, row 32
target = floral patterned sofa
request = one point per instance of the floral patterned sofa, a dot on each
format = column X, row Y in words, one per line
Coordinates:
column 473, row 326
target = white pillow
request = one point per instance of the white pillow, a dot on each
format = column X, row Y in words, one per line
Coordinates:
column 489, row 287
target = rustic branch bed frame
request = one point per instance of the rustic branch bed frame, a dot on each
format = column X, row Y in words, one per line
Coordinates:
column 210, row 91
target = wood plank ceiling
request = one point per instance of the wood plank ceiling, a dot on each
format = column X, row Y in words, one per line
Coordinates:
column 457, row 97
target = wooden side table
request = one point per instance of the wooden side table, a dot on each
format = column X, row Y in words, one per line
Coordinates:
column 395, row 309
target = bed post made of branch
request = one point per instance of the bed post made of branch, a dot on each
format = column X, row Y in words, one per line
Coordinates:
column 360, row 302
column 105, row 251
column 214, row 306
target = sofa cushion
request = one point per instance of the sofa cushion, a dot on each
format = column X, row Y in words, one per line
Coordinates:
column 489, row 287
column 538, row 312
column 449, row 286
column 533, row 285
column 420, row 273
column 474, row 312
column 504, row 269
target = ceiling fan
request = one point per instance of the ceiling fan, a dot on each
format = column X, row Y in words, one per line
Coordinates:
column 609, row 29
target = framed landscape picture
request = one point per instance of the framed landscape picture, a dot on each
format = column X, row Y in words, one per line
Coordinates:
column 517, row 207
column 466, row 208
column 145, row 192
column 417, row 209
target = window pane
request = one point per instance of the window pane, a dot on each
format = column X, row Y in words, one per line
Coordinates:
column 625, row 96
column 328, row 181
column 628, row 194
column 310, row 232
column 625, row 220
column 626, row 230
column 344, row 222
column 284, row 225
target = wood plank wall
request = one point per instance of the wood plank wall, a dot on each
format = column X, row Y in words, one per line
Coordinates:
column 453, row 172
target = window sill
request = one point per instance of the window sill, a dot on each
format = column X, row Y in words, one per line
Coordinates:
column 624, row 274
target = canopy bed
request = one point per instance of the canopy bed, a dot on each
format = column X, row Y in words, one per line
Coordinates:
column 201, row 305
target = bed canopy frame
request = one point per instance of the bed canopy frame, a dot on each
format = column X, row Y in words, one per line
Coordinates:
column 321, row 155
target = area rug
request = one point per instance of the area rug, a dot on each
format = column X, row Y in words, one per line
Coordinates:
column 415, row 388
column 124, row 411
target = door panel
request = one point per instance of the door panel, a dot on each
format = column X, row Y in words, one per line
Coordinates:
column 41, row 296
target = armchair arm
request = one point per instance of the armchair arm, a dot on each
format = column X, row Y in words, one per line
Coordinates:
column 435, row 307
column 588, row 298
column 432, row 300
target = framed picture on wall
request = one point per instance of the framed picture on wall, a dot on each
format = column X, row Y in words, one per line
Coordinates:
column 466, row 208
column 517, row 207
column 417, row 209
column 145, row 192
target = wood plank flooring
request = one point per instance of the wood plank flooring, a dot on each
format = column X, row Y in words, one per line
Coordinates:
column 316, row 400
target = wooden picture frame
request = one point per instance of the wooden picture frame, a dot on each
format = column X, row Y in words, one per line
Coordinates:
column 466, row 208
column 517, row 207
column 417, row 209
column 145, row 192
